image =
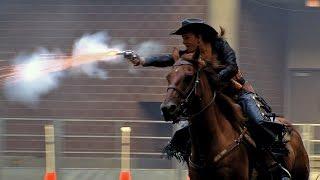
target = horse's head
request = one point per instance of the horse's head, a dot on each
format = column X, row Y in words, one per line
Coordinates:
column 183, row 80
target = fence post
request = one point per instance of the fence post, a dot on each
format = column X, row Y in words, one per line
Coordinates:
column 50, row 173
column 125, row 173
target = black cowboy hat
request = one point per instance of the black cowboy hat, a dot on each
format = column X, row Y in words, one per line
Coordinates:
column 194, row 24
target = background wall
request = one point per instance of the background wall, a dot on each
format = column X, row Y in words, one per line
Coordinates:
column 262, row 52
column 279, row 52
column 26, row 25
column 303, row 39
column 303, row 66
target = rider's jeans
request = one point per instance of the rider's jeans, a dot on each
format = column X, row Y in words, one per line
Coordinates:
column 261, row 134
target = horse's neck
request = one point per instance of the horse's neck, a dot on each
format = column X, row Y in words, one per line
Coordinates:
column 208, row 132
column 212, row 120
column 208, row 128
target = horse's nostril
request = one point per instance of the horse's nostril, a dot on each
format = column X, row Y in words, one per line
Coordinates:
column 172, row 108
column 168, row 109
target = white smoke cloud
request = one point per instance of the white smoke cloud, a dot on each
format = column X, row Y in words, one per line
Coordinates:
column 146, row 49
column 92, row 44
column 30, row 84
column 36, row 77
column 149, row 48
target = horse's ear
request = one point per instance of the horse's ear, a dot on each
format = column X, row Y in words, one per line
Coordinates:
column 187, row 57
column 175, row 54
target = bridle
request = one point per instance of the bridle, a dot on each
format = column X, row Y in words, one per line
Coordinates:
column 188, row 94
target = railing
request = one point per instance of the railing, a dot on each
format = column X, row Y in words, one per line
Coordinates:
column 307, row 131
column 83, row 158
column 63, row 135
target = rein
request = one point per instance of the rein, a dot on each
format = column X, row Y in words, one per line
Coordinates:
column 203, row 109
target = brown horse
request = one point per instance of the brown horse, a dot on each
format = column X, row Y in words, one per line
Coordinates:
column 218, row 146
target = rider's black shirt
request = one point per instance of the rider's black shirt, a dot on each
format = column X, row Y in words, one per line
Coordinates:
column 225, row 53
column 161, row 60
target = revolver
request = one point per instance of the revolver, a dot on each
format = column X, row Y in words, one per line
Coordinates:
column 131, row 56
column 128, row 54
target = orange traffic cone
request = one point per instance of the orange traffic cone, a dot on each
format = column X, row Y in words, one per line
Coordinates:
column 50, row 176
column 125, row 175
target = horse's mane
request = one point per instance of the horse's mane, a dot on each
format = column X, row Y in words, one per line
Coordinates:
column 224, row 102
column 227, row 105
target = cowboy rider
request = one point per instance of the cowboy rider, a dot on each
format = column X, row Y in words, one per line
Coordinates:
column 195, row 30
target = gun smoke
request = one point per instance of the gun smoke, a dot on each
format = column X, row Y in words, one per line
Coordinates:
column 43, row 70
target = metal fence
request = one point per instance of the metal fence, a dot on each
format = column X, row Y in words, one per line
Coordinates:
column 31, row 164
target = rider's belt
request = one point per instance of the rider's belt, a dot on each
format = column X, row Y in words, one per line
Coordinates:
column 239, row 78
column 247, row 87
column 238, row 87
column 239, row 83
